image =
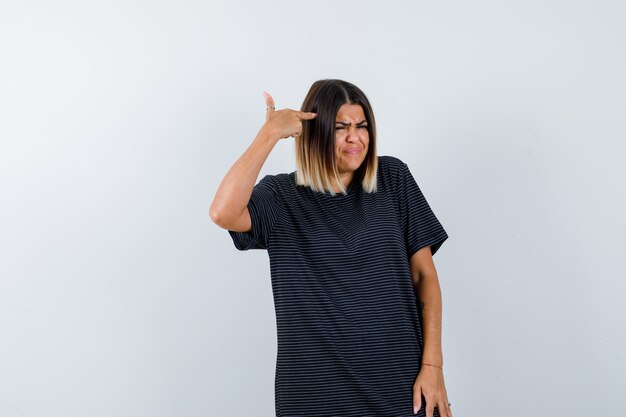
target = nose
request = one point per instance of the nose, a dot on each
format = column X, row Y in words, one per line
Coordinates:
column 352, row 133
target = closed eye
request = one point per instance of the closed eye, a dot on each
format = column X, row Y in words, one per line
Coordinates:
column 343, row 127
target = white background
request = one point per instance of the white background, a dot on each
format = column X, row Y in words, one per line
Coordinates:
column 118, row 119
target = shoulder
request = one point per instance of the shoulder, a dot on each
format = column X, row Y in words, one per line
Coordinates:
column 277, row 184
column 391, row 166
column 275, row 179
column 391, row 162
column 392, row 174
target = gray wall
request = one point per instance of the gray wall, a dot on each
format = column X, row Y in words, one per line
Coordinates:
column 119, row 296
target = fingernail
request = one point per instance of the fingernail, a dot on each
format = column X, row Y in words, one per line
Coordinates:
column 414, row 409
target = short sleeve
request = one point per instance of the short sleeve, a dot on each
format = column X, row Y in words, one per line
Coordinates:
column 421, row 226
column 263, row 207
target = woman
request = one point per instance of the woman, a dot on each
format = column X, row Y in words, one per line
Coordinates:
column 350, row 239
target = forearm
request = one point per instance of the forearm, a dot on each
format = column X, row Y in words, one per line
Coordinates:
column 428, row 294
column 233, row 193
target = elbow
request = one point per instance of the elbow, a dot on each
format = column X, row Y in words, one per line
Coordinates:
column 221, row 217
column 224, row 216
column 215, row 215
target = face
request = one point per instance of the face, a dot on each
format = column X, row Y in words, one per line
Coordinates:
column 351, row 138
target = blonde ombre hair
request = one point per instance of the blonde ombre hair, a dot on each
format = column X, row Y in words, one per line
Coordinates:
column 316, row 162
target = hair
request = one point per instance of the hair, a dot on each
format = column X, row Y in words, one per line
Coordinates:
column 316, row 162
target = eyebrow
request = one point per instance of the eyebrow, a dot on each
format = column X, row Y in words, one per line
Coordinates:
column 348, row 124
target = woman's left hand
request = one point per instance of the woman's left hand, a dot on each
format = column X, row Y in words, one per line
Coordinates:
column 429, row 382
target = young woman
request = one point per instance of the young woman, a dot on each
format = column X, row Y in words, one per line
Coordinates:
column 350, row 239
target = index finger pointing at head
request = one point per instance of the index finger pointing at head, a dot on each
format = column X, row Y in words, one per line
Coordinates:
column 306, row 115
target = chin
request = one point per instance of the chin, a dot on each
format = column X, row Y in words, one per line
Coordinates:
column 351, row 163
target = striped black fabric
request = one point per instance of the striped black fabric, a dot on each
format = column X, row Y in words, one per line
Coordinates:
column 349, row 327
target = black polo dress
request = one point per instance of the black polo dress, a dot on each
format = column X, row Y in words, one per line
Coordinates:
column 348, row 322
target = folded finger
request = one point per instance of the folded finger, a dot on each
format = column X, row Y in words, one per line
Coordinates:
column 430, row 409
column 444, row 411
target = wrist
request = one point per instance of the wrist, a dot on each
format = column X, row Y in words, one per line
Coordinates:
column 436, row 358
column 433, row 359
column 268, row 135
column 433, row 365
